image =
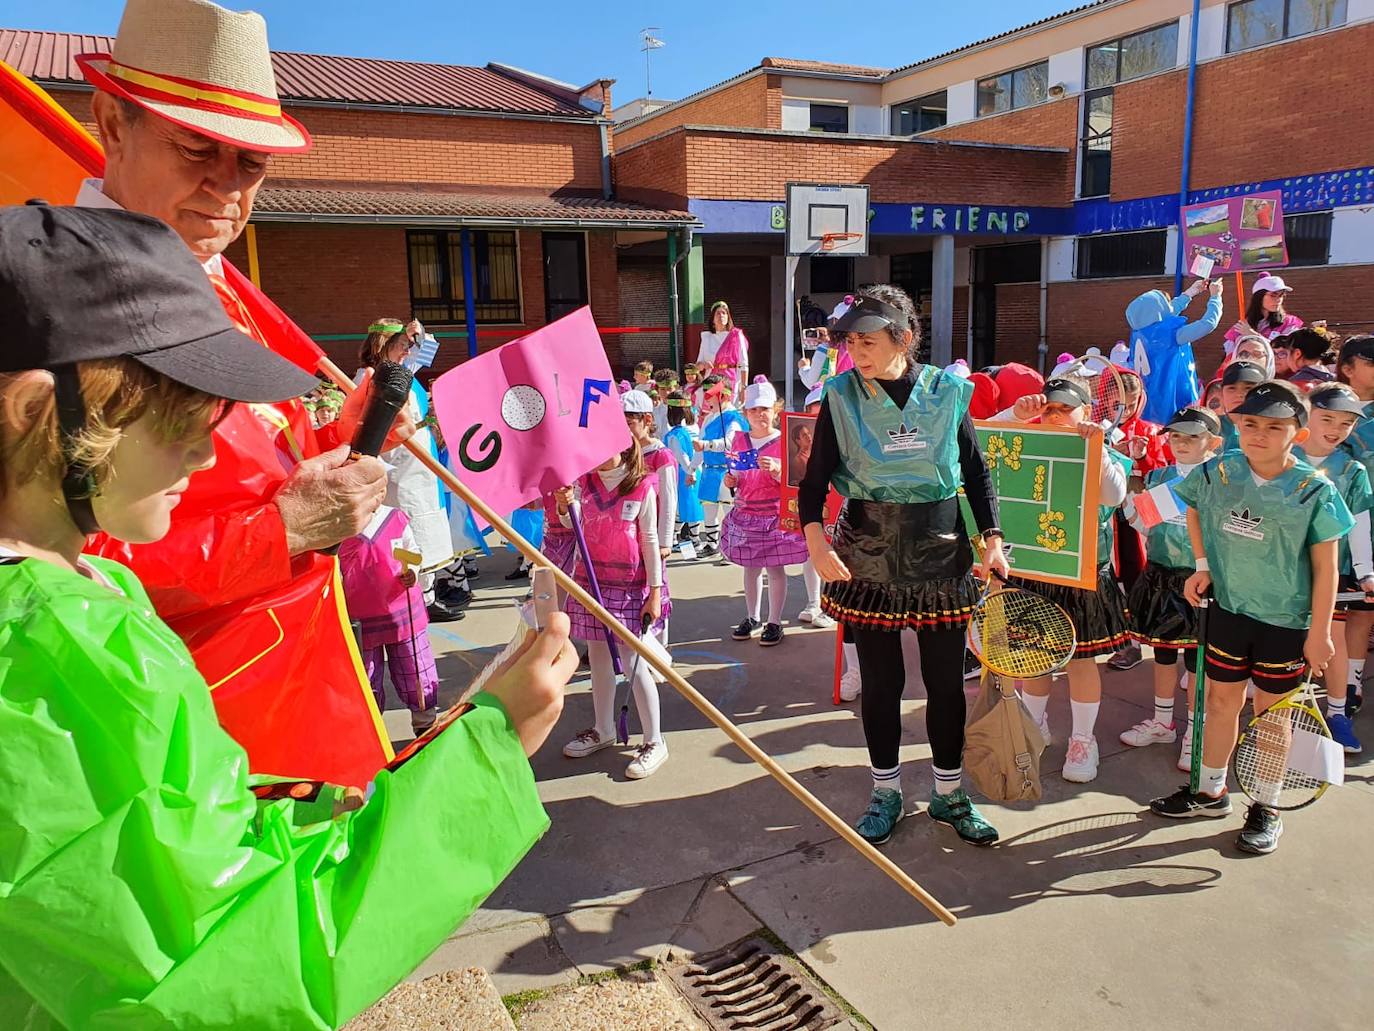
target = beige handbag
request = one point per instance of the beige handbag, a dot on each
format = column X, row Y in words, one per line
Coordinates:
column 1002, row 745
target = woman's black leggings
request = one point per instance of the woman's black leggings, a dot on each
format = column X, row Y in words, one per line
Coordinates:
column 884, row 678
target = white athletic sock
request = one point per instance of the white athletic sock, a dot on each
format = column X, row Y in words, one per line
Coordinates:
column 1212, row 780
column 1164, row 712
column 1084, row 717
column 1267, row 792
column 1036, row 705
column 851, row 657
column 1188, row 727
column 753, row 590
column 812, row 579
column 1354, row 672
column 1335, row 708
column 947, row 781
column 890, row 780
column 777, row 593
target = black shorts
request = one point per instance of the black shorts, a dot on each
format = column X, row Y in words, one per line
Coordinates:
column 1349, row 583
column 1240, row 648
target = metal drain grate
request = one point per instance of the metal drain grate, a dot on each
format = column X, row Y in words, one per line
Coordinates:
column 753, row 986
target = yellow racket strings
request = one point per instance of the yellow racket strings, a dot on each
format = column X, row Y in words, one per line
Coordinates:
column 1020, row 634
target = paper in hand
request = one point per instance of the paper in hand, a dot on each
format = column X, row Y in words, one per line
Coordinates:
column 1202, row 266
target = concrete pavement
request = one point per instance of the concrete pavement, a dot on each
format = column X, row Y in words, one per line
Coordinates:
column 1089, row 911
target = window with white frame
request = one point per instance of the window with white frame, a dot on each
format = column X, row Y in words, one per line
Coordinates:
column 1011, row 90
column 1107, row 64
column 1252, row 23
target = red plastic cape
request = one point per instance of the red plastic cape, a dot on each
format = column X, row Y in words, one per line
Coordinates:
column 269, row 633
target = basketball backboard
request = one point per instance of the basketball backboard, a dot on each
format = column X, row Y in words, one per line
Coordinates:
column 825, row 218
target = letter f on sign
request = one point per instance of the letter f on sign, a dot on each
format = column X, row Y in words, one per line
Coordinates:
column 593, row 390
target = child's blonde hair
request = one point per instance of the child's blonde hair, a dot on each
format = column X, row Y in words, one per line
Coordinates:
column 116, row 392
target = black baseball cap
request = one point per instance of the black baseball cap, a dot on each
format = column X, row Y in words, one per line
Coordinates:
column 80, row 284
column 1065, row 392
column 1358, row 347
column 1273, row 400
column 1243, row 372
column 870, row 315
column 1336, row 397
column 1195, row 422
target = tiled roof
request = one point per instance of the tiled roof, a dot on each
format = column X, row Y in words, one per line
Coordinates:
column 353, row 201
column 48, row 57
column 1002, row 35
column 792, row 64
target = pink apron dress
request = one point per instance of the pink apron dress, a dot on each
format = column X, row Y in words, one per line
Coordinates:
column 749, row 536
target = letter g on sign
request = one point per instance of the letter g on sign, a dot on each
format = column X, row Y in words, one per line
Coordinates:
column 489, row 454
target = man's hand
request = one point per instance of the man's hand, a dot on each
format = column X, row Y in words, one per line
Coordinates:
column 328, row 498
column 530, row 684
column 1317, row 649
column 352, row 412
column 1028, row 407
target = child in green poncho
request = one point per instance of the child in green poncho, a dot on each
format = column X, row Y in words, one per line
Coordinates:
column 144, row 882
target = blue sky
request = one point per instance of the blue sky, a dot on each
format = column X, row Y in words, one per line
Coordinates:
column 705, row 43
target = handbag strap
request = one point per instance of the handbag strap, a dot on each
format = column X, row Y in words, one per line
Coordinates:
column 1022, row 756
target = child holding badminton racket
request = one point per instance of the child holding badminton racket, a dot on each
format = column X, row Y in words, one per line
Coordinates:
column 1159, row 614
column 1098, row 615
column 1264, row 527
column 619, row 516
column 1335, row 410
column 750, row 536
column 895, row 438
column 383, row 595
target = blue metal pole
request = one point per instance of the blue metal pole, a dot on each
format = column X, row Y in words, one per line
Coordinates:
column 469, row 291
column 1187, row 141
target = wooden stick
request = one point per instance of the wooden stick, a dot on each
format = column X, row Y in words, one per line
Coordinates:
column 742, row 740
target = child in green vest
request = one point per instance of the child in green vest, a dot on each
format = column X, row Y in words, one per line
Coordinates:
column 1265, row 528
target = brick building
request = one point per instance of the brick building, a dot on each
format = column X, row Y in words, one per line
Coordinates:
column 479, row 199
column 1035, row 176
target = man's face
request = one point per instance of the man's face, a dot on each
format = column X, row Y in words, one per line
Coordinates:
column 202, row 188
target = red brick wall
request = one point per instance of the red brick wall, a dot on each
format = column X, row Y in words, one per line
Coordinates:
column 742, row 166
column 753, row 103
column 1310, row 120
column 1018, row 323
column 371, row 145
column 654, row 172
column 1046, row 125
column 1092, row 312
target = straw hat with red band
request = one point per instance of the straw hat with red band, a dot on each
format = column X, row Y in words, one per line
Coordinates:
column 202, row 67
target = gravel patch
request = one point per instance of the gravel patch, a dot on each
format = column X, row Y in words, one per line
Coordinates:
column 456, row 1000
column 643, row 1003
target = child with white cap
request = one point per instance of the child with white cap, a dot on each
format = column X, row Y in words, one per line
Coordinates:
column 750, row 536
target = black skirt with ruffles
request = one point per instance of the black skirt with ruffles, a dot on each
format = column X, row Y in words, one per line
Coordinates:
column 1159, row 614
column 910, row 566
column 1099, row 617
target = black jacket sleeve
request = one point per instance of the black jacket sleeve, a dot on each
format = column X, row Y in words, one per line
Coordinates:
column 982, row 499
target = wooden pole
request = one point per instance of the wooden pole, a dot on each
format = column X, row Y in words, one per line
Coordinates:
column 628, row 638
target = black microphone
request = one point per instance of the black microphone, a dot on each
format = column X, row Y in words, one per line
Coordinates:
column 387, row 393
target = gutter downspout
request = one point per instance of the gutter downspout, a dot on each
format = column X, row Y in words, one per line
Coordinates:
column 1187, row 139
column 603, row 129
column 1043, row 348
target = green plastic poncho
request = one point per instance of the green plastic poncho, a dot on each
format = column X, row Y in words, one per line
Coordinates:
column 143, row 886
column 1351, row 480
column 1258, row 537
column 1167, row 543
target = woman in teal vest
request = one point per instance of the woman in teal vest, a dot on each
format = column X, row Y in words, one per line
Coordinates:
column 894, row 437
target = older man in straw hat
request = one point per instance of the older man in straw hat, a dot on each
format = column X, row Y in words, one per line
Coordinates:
column 187, row 108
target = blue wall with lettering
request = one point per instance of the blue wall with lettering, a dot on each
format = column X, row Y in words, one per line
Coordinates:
column 1318, row 192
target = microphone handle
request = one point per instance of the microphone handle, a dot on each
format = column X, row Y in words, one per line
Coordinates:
column 378, row 418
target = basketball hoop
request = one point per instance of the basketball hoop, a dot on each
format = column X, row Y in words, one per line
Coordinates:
column 829, row 241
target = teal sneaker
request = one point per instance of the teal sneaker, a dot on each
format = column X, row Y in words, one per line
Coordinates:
column 956, row 810
column 883, row 812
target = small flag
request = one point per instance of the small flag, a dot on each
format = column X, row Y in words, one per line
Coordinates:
column 741, row 461
column 422, row 354
column 1157, row 505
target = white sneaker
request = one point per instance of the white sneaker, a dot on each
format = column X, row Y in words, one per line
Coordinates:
column 1185, row 755
column 821, row 621
column 587, row 742
column 850, row 685
column 1044, row 726
column 809, row 613
column 1080, row 765
column 648, row 758
column 1149, row 732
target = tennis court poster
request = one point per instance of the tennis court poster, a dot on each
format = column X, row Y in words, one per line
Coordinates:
column 1046, row 480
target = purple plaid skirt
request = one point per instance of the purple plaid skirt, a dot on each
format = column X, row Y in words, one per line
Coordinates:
column 755, row 540
column 624, row 604
column 559, row 545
